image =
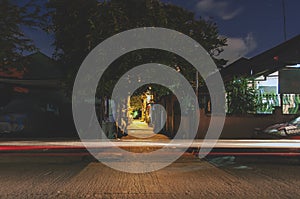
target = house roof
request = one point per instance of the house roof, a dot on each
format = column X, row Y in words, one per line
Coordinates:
column 40, row 71
column 42, row 67
column 287, row 53
column 36, row 83
column 240, row 67
column 38, row 67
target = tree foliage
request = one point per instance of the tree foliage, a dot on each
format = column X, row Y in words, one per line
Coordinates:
column 136, row 102
column 81, row 25
column 241, row 96
column 13, row 42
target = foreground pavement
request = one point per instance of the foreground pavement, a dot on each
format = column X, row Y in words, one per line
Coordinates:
column 64, row 169
column 188, row 177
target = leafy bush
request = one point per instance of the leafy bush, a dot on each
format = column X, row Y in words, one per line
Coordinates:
column 241, row 96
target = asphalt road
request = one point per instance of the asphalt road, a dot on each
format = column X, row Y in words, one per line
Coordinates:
column 189, row 177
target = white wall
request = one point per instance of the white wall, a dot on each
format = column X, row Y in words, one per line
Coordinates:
column 271, row 80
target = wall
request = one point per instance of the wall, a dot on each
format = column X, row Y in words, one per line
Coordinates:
column 235, row 126
column 242, row 126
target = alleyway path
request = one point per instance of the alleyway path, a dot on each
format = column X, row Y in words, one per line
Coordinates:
column 141, row 130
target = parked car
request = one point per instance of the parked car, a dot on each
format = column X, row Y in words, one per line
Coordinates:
column 288, row 130
column 28, row 117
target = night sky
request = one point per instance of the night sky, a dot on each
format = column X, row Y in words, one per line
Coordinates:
column 251, row 26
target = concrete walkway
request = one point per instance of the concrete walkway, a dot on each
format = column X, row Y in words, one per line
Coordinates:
column 140, row 130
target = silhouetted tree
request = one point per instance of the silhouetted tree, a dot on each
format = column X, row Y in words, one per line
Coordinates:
column 13, row 42
column 80, row 25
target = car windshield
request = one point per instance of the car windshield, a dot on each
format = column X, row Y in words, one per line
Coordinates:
column 18, row 106
column 295, row 121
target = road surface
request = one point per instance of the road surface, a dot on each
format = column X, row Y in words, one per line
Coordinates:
column 189, row 177
column 37, row 173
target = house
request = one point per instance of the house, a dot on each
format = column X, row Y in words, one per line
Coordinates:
column 276, row 73
column 40, row 77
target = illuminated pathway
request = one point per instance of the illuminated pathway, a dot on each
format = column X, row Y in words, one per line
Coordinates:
column 141, row 130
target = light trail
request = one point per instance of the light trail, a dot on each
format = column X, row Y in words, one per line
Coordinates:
column 93, row 144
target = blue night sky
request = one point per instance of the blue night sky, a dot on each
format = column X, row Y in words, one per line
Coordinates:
column 251, row 26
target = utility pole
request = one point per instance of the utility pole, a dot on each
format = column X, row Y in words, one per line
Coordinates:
column 197, row 85
column 284, row 19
